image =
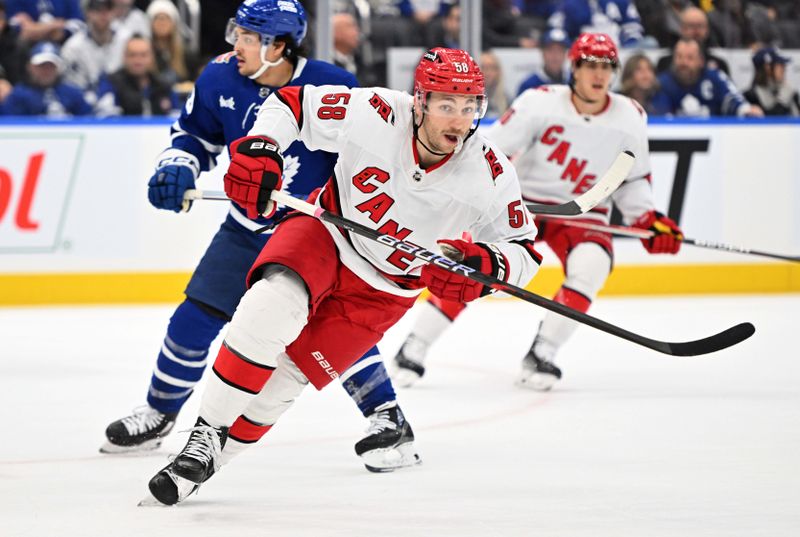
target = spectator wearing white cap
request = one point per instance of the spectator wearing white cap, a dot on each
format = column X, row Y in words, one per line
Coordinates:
column 555, row 44
column 45, row 94
column 770, row 90
column 172, row 62
column 98, row 50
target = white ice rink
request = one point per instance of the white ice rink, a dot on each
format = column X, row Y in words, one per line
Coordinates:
column 630, row 443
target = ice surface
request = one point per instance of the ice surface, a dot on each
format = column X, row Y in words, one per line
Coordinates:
column 631, row 442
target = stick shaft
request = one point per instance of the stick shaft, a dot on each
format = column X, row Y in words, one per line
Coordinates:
column 623, row 231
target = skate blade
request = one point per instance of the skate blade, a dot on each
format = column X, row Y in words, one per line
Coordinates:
column 145, row 447
column 151, row 501
column 540, row 382
column 391, row 459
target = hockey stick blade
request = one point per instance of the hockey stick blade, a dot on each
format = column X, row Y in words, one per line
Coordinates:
column 717, row 342
column 607, row 184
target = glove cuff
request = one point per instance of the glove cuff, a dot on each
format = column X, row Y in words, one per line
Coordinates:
column 178, row 157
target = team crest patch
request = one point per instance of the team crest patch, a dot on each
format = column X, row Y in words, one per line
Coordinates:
column 224, row 58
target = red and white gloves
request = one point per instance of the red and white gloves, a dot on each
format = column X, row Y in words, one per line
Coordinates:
column 256, row 170
column 455, row 287
column 668, row 237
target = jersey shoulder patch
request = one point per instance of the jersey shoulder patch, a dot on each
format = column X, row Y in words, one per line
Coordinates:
column 224, row 58
column 383, row 108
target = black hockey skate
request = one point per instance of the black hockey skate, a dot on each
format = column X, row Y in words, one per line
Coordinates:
column 538, row 373
column 194, row 465
column 389, row 443
column 144, row 430
column 408, row 362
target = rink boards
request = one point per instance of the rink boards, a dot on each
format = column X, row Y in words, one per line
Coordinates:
column 76, row 227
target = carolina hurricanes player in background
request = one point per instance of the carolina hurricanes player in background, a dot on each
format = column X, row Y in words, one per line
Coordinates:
column 563, row 138
column 319, row 296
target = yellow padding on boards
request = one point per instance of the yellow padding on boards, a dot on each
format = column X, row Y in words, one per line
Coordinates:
column 167, row 287
column 92, row 288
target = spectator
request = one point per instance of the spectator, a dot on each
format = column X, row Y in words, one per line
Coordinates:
column 661, row 19
column 45, row 95
column 502, row 26
column 131, row 18
column 770, row 90
column 135, row 90
column 639, row 81
column 96, row 51
column 173, row 64
column 51, row 20
column 692, row 89
column 496, row 95
column 694, row 25
column 617, row 18
column 346, row 39
column 12, row 56
column 446, row 30
column 785, row 16
column 730, row 27
column 555, row 44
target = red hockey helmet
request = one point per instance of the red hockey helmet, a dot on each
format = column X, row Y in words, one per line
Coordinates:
column 448, row 70
column 594, row 48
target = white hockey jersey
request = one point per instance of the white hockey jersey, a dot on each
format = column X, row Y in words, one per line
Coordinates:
column 378, row 183
column 559, row 153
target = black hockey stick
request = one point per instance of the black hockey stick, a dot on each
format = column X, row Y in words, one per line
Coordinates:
column 607, row 184
column 722, row 340
column 623, row 231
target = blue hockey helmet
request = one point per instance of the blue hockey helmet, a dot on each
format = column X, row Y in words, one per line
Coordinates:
column 270, row 19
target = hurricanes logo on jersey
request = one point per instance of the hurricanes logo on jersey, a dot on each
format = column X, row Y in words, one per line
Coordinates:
column 494, row 166
column 382, row 107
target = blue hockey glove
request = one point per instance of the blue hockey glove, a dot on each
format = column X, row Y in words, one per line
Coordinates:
column 175, row 173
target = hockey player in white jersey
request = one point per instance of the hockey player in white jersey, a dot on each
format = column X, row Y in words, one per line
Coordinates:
column 319, row 296
column 563, row 138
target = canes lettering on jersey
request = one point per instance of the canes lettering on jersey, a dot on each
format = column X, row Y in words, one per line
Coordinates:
column 573, row 171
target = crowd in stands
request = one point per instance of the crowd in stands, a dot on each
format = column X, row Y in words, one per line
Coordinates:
column 62, row 58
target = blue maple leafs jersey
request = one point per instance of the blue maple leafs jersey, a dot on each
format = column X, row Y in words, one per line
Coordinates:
column 712, row 95
column 223, row 107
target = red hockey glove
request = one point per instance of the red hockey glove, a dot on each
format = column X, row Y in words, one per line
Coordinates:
column 668, row 235
column 455, row 287
column 256, row 170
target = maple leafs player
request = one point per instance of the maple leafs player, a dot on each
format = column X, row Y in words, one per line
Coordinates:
column 266, row 35
column 563, row 138
column 319, row 296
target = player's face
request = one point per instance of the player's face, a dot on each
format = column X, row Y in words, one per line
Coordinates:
column 592, row 79
column 448, row 119
column 248, row 51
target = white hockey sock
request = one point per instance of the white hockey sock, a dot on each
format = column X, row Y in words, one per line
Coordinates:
column 428, row 327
